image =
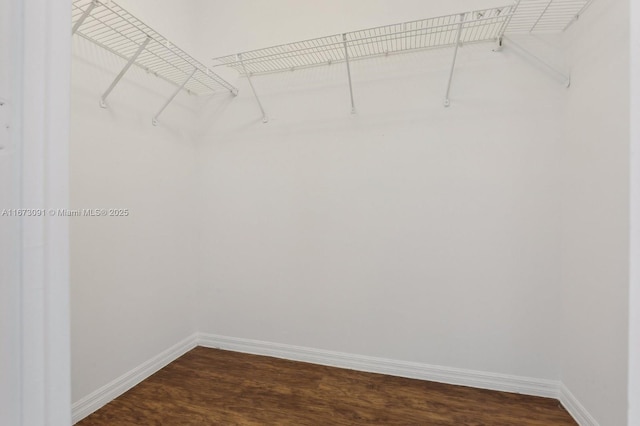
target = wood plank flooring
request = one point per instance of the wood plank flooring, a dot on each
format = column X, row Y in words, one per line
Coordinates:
column 215, row 387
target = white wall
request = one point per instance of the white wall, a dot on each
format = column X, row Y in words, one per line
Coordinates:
column 408, row 231
column 173, row 19
column 595, row 231
column 634, row 297
column 132, row 277
column 10, row 165
column 634, row 254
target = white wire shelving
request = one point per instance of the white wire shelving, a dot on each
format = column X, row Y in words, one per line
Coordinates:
column 539, row 16
column 546, row 16
column 487, row 25
column 476, row 26
column 113, row 28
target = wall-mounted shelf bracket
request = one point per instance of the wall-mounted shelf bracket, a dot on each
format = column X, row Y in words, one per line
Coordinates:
column 578, row 15
column 505, row 25
column 453, row 63
column 561, row 76
column 265, row 118
column 498, row 46
column 175, row 93
column 131, row 61
column 346, row 60
column 84, row 16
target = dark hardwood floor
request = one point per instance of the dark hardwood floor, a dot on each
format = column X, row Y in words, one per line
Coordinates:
column 214, row 387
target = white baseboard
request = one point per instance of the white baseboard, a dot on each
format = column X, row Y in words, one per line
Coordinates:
column 413, row 370
column 575, row 408
column 117, row 387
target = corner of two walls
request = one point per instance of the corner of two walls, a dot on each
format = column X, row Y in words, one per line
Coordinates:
column 133, row 277
column 595, row 213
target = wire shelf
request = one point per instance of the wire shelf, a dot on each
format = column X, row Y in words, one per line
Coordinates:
column 477, row 26
column 546, row 16
column 113, row 28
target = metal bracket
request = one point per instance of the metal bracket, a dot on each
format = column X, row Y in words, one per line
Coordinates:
column 265, row 118
column 84, row 16
column 499, row 42
column 506, row 23
column 123, row 72
column 175, row 93
column 578, row 15
column 346, row 59
column 561, row 76
column 453, row 64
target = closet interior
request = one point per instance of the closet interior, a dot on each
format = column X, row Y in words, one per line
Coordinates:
column 440, row 199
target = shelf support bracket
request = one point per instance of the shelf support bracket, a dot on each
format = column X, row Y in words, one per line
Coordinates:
column 154, row 121
column 84, row 16
column 346, row 60
column 578, row 15
column 265, row 118
column 453, row 64
column 559, row 75
column 505, row 25
column 123, row 72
